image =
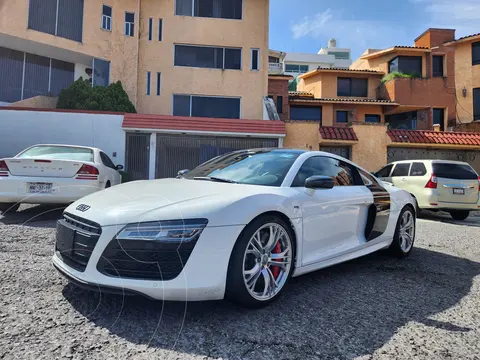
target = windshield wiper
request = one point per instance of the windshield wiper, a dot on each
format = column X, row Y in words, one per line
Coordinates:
column 213, row 178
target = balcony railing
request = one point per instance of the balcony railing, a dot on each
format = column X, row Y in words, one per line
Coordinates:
column 275, row 68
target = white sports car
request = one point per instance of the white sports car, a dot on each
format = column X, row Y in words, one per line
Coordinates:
column 238, row 226
column 54, row 174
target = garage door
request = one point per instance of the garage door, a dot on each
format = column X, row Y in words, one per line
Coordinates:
column 179, row 152
column 472, row 157
column 343, row 151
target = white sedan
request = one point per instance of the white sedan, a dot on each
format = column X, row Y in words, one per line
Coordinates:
column 54, row 174
column 238, row 226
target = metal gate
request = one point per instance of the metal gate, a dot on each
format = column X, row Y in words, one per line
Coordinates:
column 137, row 156
column 400, row 153
column 343, row 151
column 179, row 152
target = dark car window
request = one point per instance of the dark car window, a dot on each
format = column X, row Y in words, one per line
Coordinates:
column 340, row 172
column 401, row 170
column 384, row 172
column 418, row 169
column 454, row 171
column 255, row 167
column 367, row 179
column 106, row 161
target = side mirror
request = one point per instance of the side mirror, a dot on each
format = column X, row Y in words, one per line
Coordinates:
column 181, row 173
column 119, row 167
column 319, row 182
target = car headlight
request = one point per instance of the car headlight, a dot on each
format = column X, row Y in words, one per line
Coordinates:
column 167, row 231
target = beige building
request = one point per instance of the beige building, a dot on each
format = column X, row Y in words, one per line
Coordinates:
column 174, row 57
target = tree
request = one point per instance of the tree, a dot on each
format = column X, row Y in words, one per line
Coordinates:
column 82, row 96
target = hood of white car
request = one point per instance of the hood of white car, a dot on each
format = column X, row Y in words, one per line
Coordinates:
column 164, row 199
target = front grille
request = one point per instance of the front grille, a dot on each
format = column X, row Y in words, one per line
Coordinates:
column 76, row 240
column 145, row 260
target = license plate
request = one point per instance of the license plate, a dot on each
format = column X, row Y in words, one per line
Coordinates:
column 459, row 191
column 65, row 239
column 39, row 188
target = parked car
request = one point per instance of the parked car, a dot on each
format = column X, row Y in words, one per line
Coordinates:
column 238, row 226
column 452, row 186
column 58, row 174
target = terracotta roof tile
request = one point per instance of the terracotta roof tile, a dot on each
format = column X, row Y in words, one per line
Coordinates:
column 348, row 69
column 198, row 124
column 435, row 137
column 410, row 47
column 340, row 100
column 337, row 133
column 468, row 36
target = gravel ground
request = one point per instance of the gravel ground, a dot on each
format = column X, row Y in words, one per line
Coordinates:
column 424, row 307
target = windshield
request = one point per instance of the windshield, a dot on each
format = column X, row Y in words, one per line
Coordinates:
column 255, row 167
column 58, row 153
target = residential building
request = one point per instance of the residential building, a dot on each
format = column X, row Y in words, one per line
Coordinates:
column 172, row 56
column 467, row 77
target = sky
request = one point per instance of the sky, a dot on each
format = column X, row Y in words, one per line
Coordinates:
column 306, row 25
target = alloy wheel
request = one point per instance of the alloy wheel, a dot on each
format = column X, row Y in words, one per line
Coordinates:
column 407, row 231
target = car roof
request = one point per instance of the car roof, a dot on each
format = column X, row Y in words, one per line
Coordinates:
column 66, row 145
column 431, row 161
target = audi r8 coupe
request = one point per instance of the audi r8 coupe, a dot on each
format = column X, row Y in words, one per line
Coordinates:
column 238, row 226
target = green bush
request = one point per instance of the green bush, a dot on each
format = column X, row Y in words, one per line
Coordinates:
column 398, row 75
column 82, row 96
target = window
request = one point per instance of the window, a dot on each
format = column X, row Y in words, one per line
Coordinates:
column 418, row 169
column 52, row 152
column 401, row 170
column 439, row 117
column 340, row 172
column 129, row 24
column 107, row 18
column 150, row 29
column 476, row 53
column 454, row 171
column 57, row 17
column 280, row 104
column 340, row 55
column 106, row 161
column 101, row 72
column 384, row 172
column 406, row 64
column 255, row 59
column 222, row 9
column 342, row 116
column 308, row 113
column 208, row 57
column 296, row 69
column 367, row 178
column 159, row 83
column 206, row 106
column 476, row 104
column 437, row 65
column 352, row 87
column 149, row 78
column 369, row 118
column 273, row 60
column 160, row 29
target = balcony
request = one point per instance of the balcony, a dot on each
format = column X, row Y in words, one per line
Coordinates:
column 275, row 68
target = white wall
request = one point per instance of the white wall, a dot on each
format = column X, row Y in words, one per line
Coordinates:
column 80, row 71
column 20, row 129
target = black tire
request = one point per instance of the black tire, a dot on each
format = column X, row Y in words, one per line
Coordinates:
column 395, row 248
column 107, row 185
column 459, row 214
column 7, row 208
column 236, row 290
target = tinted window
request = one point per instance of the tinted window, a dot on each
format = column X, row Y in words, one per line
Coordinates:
column 343, row 87
column 160, row 28
column 294, row 68
column 70, row 19
column 406, row 64
column 205, row 106
column 106, row 161
column 233, row 59
column 384, row 172
column 393, row 65
column 439, row 117
column 255, row 59
column 418, row 169
column 454, row 171
column 476, row 53
column 342, row 117
column 62, row 76
column 101, row 72
column 37, row 70
column 340, row 172
column 107, row 10
column 367, row 178
column 437, row 64
column 263, row 167
column 476, row 104
column 226, row 9
column 11, row 74
column 58, row 153
column 181, row 105
column 311, row 113
column 401, row 170
column 208, row 57
column 280, row 104
column 42, row 15
column 352, row 87
column 372, row 118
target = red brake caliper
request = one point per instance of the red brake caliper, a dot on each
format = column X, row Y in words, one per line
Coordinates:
column 275, row 269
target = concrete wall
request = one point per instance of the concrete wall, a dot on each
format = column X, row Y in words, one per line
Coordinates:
column 302, row 135
column 466, row 76
column 21, row 129
column 371, row 150
column 42, row 102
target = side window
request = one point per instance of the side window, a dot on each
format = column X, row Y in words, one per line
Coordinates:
column 367, row 179
column 106, row 161
column 401, row 170
column 384, row 172
column 418, row 169
column 339, row 171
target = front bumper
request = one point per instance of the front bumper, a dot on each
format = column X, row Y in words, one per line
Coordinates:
column 202, row 278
